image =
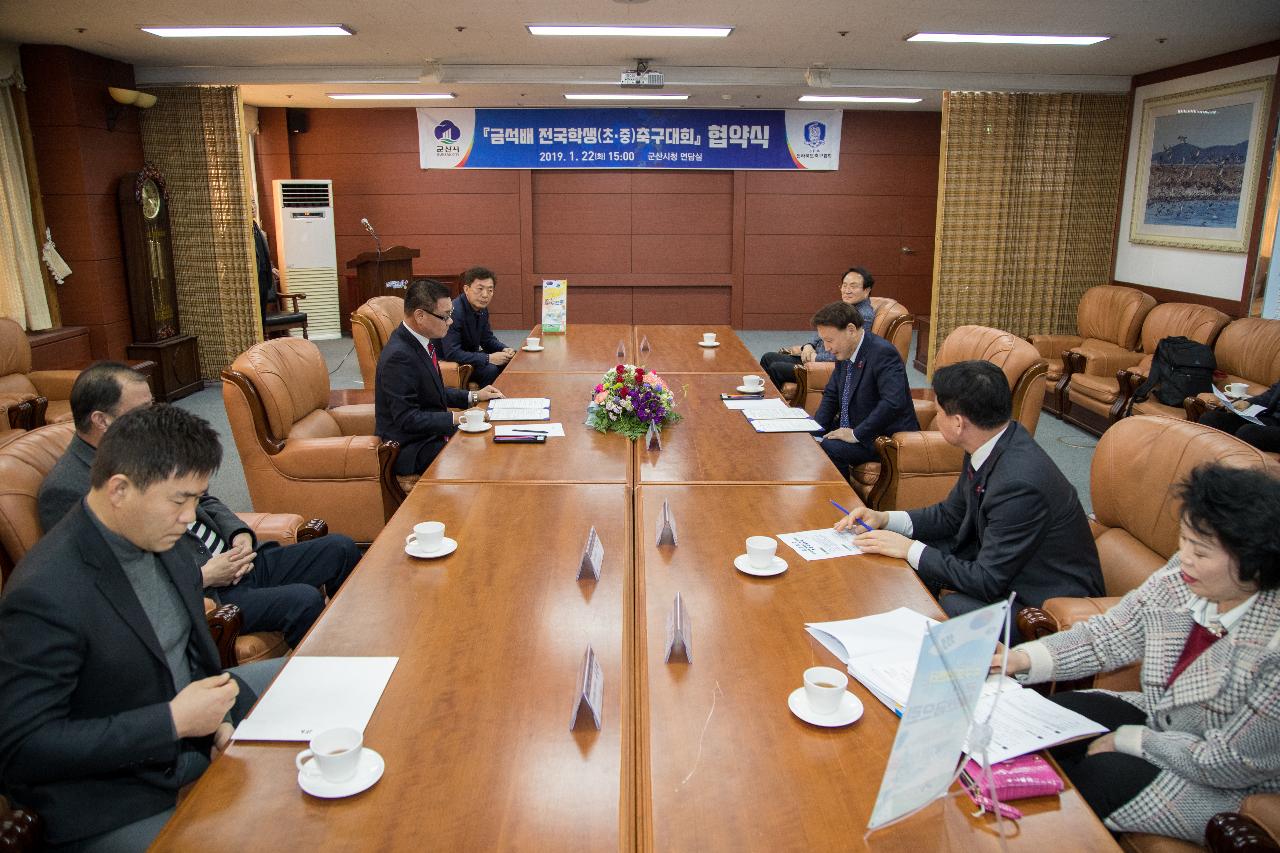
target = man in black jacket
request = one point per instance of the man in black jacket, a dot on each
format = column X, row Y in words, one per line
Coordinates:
column 470, row 339
column 412, row 403
column 1264, row 435
column 111, row 693
column 1012, row 523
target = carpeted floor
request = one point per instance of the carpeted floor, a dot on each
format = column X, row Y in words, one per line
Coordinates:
column 1069, row 447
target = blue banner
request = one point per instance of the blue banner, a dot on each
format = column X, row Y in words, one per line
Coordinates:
column 628, row 138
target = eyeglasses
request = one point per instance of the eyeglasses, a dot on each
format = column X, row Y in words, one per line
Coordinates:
column 448, row 318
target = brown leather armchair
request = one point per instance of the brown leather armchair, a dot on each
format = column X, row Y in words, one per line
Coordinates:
column 893, row 323
column 299, row 452
column 1095, row 400
column 1108, row 320
column 30, row 398
column 919, row 468
column 372, row 324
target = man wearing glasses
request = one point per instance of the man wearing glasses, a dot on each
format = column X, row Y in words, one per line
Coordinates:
column 470, row 340
column 412, row 404
column 855, row 289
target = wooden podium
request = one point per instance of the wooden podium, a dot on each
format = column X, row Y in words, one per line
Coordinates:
column 372, row 275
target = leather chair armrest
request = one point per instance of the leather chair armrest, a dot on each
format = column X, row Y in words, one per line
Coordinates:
column 356, row 419
column 926, row 411
column 1253, row 829
column 21, row 830
column 1051, row 346
column 225, row 623
column 925, row 452
column 54, row 384
column 344, row 458
column 1264, row 809
column 1108, row 363
column 811, row 380
column 1068, row 611
column 1129, row 380
column 279, row 527
column 1035, row 624
column 455, row 375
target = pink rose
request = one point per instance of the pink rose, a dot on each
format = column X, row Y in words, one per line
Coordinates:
column 601, row 397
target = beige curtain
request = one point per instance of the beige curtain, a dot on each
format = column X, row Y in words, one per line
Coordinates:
column 22, row 296
column 195, row 136
column 1027, row 200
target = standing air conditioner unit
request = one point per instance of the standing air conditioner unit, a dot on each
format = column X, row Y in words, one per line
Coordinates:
column 307, row 252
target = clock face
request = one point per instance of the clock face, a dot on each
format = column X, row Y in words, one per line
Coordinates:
column 150, row 199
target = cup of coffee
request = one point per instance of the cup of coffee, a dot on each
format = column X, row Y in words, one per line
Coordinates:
column 334, row 753
column 756, row 383
column 824, row 687
column 760, row 551
column 473, row 417
column 1237, row 389
column 532, row 343
column 708, row 337
column 429, row 535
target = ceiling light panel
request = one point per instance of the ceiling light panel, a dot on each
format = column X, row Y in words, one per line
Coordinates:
column 248, row 32
column 997, row 38
column 622, row 97
column 647, row 32
column 856, row 99
column 392, row 96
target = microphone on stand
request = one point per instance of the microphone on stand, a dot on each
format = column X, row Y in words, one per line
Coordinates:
column 378, row 247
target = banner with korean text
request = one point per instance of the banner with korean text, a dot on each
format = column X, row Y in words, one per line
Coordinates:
column 625, row 138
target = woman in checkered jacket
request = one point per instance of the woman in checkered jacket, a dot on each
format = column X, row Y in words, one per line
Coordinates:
column 1204, row 732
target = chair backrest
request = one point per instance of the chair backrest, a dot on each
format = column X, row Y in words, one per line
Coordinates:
column 15, row 361
column 1250, row 348
column 1114, row 314
column 371, row 326
column 1135, row 466
column 1017, row 358
column 1200, row 323
column 292, row 382
column 893, row 323
column 24, row 463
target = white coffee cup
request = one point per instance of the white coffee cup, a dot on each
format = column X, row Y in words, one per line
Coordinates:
column 429, row 535
column 824, row 687
column 473, row 417
column 335, row 753
column 532, row 343
column 1237, row 389
column 756, row 382
column 708, row 337
column 760, row 551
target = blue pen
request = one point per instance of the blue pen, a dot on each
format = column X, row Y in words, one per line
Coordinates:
column 865, row 526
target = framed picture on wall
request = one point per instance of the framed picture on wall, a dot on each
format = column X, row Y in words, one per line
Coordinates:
column 1199, row 156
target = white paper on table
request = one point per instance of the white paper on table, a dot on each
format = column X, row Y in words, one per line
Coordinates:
column 1025, row 721
column 764, row 413
column 755, row 403
column 555, row 430
column 880, row 650
column 785, row 424
column 1250, row 414
column 821, row 544
column 519, row 414
column 312, row 694
column 520, row 403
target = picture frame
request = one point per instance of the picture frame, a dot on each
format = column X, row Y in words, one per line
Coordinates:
column 1198, row 165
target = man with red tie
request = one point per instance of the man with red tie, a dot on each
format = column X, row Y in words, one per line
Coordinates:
column 411, row 402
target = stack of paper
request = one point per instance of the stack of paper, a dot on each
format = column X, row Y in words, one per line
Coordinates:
column 786, row 424
column 754, row 403
column 520, row 409
column 770, row 412
column 312, row 694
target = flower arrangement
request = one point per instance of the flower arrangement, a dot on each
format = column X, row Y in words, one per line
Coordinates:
column 631, row 400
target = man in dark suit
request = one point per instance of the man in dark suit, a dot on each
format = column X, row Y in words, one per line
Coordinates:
column 1012, row 523
column 855, row 289
column 276, row 588
column 470, row 339
column 411, row 403
column 111, row 693
column 867, row 395
column 1264, row 435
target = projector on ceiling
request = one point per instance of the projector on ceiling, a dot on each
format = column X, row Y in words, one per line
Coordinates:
column 642, row 79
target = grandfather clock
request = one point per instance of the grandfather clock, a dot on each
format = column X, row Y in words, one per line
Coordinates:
column 153, row 290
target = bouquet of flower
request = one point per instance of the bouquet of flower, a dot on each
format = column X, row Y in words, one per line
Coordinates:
column 630, row 400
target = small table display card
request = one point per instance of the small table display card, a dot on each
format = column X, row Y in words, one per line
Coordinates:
column 622, row 350
column 666, row 526
column 679, row 634
column 592, row 557
column 644, row 344
column 653, row 438
column 589, row 703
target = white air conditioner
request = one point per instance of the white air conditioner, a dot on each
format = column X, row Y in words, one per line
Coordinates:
column 307, row 252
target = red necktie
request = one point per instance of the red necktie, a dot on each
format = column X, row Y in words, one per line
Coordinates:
column 431, row 351
column 1200, row 639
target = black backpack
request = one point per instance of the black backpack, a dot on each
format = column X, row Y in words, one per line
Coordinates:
column 1180, row 368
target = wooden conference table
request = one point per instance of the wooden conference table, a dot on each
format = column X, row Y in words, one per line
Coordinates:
column 475, row 721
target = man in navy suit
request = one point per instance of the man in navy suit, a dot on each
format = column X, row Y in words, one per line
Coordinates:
column 867, row 395
column 470, row 340
column 411, row 404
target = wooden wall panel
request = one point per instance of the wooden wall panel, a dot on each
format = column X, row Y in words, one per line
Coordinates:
column 581, row 213
column 560, row 255
column 682, row 213
column 685, row 305
column 681, row 253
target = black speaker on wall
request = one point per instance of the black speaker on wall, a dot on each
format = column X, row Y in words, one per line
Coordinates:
column 298, row 120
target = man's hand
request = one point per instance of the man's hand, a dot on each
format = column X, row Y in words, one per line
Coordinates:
column 793, row 350
column 1106, row 743
column 884, row 542
column 808, row 354
column 221, row 739
column 230, row 566
column 500, row 357
column 488, row 392
column 200, row 707
column 843, row 434
column 873, row 518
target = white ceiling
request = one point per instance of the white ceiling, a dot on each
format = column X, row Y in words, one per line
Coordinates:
column 760, row 64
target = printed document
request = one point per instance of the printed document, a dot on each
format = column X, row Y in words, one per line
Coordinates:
column 821, row 544
column 786, row 424
column 312, row 694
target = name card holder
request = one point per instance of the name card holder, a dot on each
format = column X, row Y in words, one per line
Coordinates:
column 644, row 345
column 589, row 702
column 592, row 557
column 653, row 438
column 622, row 350
column 666, row 526
column 679, row 634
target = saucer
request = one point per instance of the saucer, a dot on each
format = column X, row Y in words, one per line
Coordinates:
column 448, row 546
column 711, row 345
column 850, row 710
column 747, row 389
column 743, row 564
column 533, row 349
column 369, row 772
column 480, row 427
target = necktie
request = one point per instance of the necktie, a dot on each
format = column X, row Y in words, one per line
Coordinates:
column 1198, row 640
column 846, row 394
column 431, row 351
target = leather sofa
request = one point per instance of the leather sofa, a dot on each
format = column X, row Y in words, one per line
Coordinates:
column 917, row 469
column 300, row 453
column 1095, row 400
column 893, row 323
column 30, row 398
column 372, row 324
column 1108, row 320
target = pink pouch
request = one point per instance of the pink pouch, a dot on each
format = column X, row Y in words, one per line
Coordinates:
column 1015, row 779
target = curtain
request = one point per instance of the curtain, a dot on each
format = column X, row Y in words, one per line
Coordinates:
column 195, row 136
column 1027, row 202
column 22, row 295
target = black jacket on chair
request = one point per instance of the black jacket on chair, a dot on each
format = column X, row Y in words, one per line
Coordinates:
column 411, row 403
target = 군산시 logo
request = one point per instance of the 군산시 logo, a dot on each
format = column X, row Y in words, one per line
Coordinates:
column 447, row 132
column 815, row 134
